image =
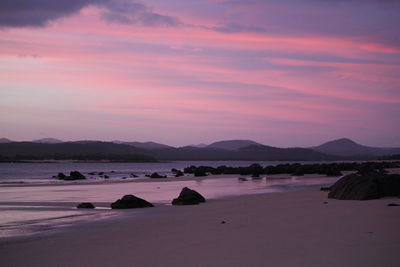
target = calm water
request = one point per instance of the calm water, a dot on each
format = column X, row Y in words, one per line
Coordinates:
column 43, row 172
column 27, row 210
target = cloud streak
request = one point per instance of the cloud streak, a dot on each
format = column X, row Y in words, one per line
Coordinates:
column 39, row 13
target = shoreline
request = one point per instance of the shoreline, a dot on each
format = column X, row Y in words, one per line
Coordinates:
column 277, row 229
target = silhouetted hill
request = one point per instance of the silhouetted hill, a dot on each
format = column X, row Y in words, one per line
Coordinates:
column 71, row 150
column 232, row 144
column 146, row 145
column 253, row 152
column 48, row 140
column 348, row 148
column 5, row 140
column 262, row 152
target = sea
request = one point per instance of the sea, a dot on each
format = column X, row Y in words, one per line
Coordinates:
column 33, row 201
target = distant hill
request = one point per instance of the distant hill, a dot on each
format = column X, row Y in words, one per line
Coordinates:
column 48, row 141
column 224, row 150
column 5, row 140
column 262, row 152
column 146, row 145
column 73, row 150
column 232, row 145
column 252, row 152
column 198, row 145
column 348, row 148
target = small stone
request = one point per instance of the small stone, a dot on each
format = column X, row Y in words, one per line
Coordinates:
column 393, row 205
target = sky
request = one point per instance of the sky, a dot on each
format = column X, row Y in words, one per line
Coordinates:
column 280, row 72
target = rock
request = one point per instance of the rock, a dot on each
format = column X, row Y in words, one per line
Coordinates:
column 61, row 176
column 325, row 189
column 130, row 202
column 364, row 186
column 243, row 179
column 156, row 175
column 92, row 173
column 188, row 197
column 223, row 222
column 179, row 174
column 100, row 173
column 85, row 205
column 75, row 175
column 106, row 176
column 133, row 175
column 199, row 173
column 393, row 205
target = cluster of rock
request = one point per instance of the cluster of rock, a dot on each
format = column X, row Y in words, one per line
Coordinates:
column 155, row 175
column 297, row 169
column 365, row 185
column 74, row 175
column 186, row 197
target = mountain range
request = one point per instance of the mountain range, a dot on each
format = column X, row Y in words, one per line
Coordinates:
column 51, row 148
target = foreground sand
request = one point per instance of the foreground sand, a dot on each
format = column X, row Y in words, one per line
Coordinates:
column 281, row 229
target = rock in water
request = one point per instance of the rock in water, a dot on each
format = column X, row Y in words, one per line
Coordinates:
column 364, row 186
column 156, row 175
column 130, row 202
column 61, row 176
column 188, row 197
column 85, row 205
column 75, row 175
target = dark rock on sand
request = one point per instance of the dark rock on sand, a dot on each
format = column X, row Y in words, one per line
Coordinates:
column 130, row 202
column 364, row 186
column 393, row 205
column 325, row 189
column 243, row 179
column 85, row 205
column 188, row 197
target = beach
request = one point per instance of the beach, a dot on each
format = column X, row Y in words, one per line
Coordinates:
column 301, row 228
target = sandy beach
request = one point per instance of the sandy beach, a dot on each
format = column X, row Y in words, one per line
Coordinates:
column 278, row 229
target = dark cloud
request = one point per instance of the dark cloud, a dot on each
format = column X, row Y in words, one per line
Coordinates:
column 38, row 13
column 21, row 13
column 128, row 12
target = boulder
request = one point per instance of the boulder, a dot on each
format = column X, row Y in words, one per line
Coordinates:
column 85, row 205
column 130, row 202
column 156, row 175
column 61, row 176
column 188, row 197
column 75, row 175
column 179, row 174
column 364, row 186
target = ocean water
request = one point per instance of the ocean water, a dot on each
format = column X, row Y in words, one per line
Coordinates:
column 43, row 172
column 43, row 204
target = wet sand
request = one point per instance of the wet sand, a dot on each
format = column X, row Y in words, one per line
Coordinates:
column 278, row 229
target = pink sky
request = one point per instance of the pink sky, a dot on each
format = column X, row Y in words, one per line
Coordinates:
column 283, row 73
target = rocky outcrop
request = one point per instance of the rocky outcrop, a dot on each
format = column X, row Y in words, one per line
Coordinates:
column 156, row 175
column 85, row 205
column 364, row 186
column 130, row 202
column 188, row 197
column 74, row 175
